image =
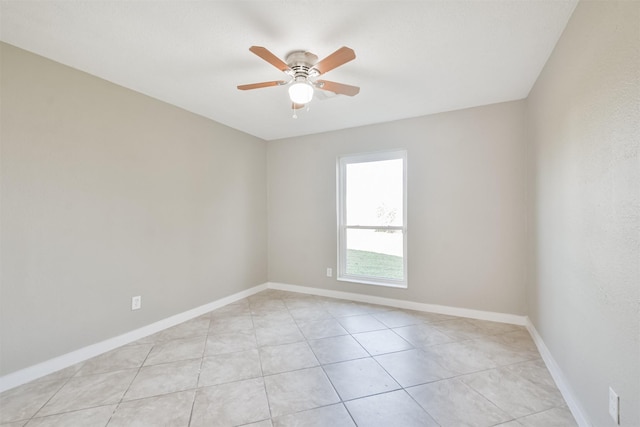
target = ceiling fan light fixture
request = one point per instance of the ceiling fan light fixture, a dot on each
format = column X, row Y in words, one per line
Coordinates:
column 303, row 67
column 300, row 92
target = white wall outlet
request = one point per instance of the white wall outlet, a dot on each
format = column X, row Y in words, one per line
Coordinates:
column 329, row 272
column 614, row 406
column 136, row 302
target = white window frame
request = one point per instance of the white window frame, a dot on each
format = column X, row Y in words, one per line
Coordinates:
column 342, row 163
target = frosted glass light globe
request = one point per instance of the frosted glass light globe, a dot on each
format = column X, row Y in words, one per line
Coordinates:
column 301, row 92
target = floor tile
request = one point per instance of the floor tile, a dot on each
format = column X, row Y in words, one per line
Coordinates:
column 175, row 350
column 309, row 302
column 290, row 356
column 163, row 379
column 309, row 314
column 263, row 423
column 556, row 417
column 459, row 329
column 460, row 357
column 520, row 390
column 267, row 306
column 168, row 410
column 98, row 417
column 230, row 404
column 230, row 311
column 230, row 342
column 333, row 415
column 24, row 401
column 493, row 328
column 422, row 335
column 337, row 349
column 226, row 324
column 62, row 374
column 89, row 391
column 498, row 353
column 397, row 318
column 464, row 329
column 277, row 335
column 380, row 342
column 192, row 328
column 375, row 308
column 286, row 357
column 395, row 408
column 321, row 329
column 453, row 403
column 476, row 355
column 238, row 308
column 229, row 367
column 519, row 339
column 273, row 294
column 429, row 317
column 127, row 357
column 273, row 319
column 413, row 367
column 361, row 323
column 339, row 308
column 298, row 391
column 359, row 378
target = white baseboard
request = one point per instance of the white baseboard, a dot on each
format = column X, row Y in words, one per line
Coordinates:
column 558, row 376
column 34, row 372
column 408, row 305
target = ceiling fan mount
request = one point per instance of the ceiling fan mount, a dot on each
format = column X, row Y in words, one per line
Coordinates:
column 301, row 64
column 303, row 68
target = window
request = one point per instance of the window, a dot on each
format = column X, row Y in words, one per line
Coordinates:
column 372, row 213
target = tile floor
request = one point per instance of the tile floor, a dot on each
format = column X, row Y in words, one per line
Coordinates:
column 287, row 359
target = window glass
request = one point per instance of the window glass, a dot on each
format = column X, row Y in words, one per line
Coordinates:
column 372, row 218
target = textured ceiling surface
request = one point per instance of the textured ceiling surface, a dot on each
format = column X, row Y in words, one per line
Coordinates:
column 413, row 58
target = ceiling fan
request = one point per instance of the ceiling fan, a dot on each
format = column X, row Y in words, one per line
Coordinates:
column 303, row 68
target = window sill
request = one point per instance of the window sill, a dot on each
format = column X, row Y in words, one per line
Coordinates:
column 369, row 281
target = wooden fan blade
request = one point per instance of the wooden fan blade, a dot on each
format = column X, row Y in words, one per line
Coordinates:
column 265, row 54
column 339, row 88
column 263, row 84
column 336, row 59
column 295, row 106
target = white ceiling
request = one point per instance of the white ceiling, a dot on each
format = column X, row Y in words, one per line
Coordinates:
column 412, row 57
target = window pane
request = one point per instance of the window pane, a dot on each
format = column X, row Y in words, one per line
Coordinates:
column 374, row 193
column 375, row 253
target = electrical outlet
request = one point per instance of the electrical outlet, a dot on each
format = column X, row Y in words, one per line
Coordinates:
column 614, row 406
column 329, row 272
column 136, row 303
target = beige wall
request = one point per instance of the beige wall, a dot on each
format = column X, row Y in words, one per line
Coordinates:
column 107, row 194
column 466, row 207
column 584, row 121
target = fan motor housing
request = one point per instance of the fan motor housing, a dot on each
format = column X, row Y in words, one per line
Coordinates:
column 301, row 63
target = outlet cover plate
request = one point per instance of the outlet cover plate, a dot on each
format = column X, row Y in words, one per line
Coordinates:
column 136, row 303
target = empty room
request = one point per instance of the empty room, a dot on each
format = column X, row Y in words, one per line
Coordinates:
column 330, row 213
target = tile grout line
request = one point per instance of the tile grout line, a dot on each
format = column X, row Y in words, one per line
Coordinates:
column 204, row 351
column 419, row 349
column 264, row 383
column 341, row 401
column 67, row 380
column 129, row 387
